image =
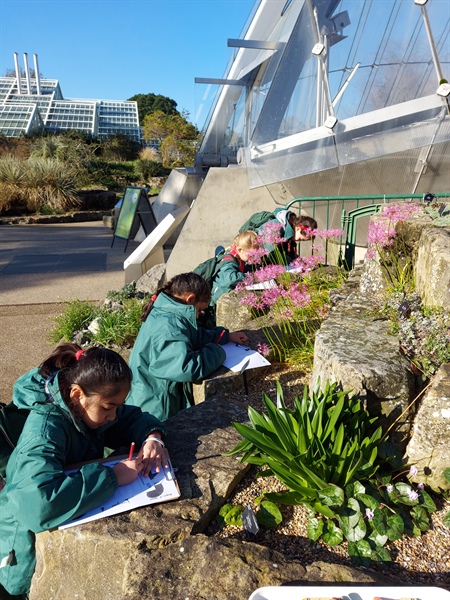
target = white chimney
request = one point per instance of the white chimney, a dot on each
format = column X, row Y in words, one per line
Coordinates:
column 19, row 81
column 36, row 73
column 27, row 72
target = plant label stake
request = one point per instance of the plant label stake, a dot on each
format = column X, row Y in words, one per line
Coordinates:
column 249, row 522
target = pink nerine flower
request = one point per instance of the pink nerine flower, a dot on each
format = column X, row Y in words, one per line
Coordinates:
column 328, row 233
column 263, row 349
column 269, row 234
column 381, row 234
column 400, row 212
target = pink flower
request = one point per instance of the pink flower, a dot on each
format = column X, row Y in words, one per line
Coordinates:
column 412, row 495
column 299, row 296
column 380, row 234
column 255, row 256
column 269, row 234
column 420, row 486
column 328, row 233
column 269, row 272
column 323, row 311
column 400, row 212
column 263, row 349
column 369, row 514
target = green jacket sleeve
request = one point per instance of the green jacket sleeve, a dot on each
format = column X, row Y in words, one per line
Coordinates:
column 226, row 279
column 42, row 495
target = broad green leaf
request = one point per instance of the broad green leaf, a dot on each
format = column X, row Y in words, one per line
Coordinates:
column 447, row 519
column 358, row 552
column 349, row 515
column 426, row 501
column 377, row 539
column 379, row 521
column 356, row 533
column 368, row 501
column 381, row 555
column 354, row 488
column 222, row 513
column 318, row 507
column 289, row 498
column 315, row 528
column 446, row 474
column 316, row 423
column 395, row 527
column 269, row 514
column 234, row 516
column 420, row 518
column 332, row 535
column 331, row 496
column 262, row 442
column 339, row 440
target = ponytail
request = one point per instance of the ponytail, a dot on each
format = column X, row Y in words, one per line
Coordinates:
column 96, row 370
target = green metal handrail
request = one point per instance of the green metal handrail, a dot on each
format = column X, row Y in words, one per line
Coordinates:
column 349, row 218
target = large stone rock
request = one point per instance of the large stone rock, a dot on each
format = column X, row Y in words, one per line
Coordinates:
column 151, row 280
column 357, row 351
column 71, row 560
column 429, row 448
column 432, row 269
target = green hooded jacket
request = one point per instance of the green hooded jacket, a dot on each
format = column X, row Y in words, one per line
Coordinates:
column 38, row 494
column 170, row 353
column 232, row 271
column 286, row 251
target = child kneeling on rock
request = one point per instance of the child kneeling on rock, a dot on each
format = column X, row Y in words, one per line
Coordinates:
column 76, row 408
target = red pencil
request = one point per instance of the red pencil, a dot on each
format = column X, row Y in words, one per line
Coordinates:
column 130, row 455
column 222, row 333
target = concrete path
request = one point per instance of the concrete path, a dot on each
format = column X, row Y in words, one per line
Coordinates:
column 41, row 268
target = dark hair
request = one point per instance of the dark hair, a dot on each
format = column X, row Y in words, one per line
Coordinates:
column 95, row 370
column 305, row 221
column 185, row 283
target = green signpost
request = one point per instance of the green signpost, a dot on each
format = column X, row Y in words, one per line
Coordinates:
column 135, row 210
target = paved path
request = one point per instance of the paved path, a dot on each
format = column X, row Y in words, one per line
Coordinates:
column 41, row 268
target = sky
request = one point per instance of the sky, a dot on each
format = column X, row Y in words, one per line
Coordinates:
column 114, row 49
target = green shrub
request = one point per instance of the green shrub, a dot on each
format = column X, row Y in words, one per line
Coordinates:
column 119, row 327
column 76, row 317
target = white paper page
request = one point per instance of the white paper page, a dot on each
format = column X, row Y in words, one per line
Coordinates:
column 158, row 487
column 263, row 285
column 237, row 355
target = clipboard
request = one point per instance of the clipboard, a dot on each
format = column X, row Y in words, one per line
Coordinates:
column 143, row 491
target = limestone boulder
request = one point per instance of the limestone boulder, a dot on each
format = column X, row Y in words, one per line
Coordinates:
column 151, row 280
column 432, row 268
column 428, row 448
column 358, row 351
column 73, row 558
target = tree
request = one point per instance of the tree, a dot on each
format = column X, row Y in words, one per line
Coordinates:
column 177, row 137
column 148, row 103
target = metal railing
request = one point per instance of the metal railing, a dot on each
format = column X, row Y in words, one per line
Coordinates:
column 344, row 212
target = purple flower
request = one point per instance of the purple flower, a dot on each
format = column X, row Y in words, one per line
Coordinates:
column 369, row 514
column 269, row 234
column 254, row 256
column 420, row 486
column 413, row 471
column 390, row 488
column 412, row 495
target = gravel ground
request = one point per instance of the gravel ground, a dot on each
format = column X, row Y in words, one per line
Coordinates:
column 423, row 560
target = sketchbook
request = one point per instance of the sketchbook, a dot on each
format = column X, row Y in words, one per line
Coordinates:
column 158, row 487
column 240, row 358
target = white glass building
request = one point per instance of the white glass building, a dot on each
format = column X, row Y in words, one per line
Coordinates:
column 30, row 104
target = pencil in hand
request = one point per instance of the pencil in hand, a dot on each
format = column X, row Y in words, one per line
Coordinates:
column 130, row 455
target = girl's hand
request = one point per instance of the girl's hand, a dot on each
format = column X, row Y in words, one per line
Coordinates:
column 152, row 456
column 238, row 337
column 127, row 471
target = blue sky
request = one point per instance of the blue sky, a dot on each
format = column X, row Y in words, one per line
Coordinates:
column 114, row 49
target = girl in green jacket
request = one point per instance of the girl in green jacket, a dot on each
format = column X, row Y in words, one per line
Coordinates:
column 233, row 265
column 171, row 351
column 76, row 408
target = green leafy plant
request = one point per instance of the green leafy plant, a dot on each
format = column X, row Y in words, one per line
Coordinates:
column 119, row 327
column 332, row 459
column 77, row 316
column 268, row 514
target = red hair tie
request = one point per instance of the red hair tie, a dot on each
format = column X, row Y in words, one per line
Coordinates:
column 153, row 298
column 79, row 354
